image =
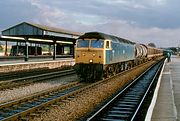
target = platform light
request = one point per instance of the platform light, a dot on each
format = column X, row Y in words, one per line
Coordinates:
column 9, row 37
column 42, row 40
column 64, row 42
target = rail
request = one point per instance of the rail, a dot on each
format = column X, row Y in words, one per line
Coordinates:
column 31, row 79
column 126, row 104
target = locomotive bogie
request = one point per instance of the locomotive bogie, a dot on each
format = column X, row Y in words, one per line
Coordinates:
column 89, row 72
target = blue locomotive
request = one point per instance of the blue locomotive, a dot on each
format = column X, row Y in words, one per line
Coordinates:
column 99, row 55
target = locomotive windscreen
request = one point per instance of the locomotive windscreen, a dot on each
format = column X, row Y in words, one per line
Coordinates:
column 82, row 43
column 96, row 43
column 90, row 43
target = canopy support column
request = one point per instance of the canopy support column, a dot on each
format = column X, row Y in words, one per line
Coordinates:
column 73, row 49
column 17, row 49
column 26, row 58
column 6, row 49
column 36, row 53
column 54, row 52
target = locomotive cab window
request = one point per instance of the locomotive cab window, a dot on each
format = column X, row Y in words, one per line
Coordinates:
column 108, row 45
column 97, row 44
column 82, row 43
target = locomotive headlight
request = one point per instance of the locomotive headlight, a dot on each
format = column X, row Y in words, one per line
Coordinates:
column 94, row 54
column 83, row 54
column 91, row 61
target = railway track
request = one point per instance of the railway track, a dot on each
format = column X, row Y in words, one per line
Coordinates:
column 124, row 106
column 18, row 108
column 31, row 79
column 19, row 74
column 34, row 104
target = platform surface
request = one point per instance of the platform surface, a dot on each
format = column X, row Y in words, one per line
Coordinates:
column 167, row 107
column 19, row 61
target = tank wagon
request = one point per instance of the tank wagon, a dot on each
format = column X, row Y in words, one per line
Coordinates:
column 153, row 52
column 98, row 55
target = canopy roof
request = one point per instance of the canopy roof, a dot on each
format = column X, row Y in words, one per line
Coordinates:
column 40, row 32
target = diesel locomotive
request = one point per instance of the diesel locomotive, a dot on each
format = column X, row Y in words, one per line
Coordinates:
column 99, row 55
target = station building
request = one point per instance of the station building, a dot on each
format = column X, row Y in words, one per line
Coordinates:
column 30, row 37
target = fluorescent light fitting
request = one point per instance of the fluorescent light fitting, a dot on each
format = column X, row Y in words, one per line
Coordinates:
column 8, row 37
column 64, row 42
column 42, row 40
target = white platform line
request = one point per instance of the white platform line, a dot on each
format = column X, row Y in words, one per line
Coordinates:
column 154, row 99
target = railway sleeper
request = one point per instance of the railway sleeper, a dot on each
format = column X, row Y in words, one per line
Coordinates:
column 123, row 107
column 117, row 116
column 129, row 100
column 129, row 103
column 119, row 112
column 136, row 93
column 22, row 108
column 133, row 95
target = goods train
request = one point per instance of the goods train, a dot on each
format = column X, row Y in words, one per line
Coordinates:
column 99, row 55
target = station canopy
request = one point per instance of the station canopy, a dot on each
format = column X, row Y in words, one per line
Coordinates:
column 37, row 33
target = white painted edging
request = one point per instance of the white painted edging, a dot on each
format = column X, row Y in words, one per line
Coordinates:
column 154, row 99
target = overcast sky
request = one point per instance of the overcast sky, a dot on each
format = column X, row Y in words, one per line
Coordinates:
column 142, row 21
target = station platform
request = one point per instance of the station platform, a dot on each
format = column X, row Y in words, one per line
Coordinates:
column 31, row 64
column 165, row 105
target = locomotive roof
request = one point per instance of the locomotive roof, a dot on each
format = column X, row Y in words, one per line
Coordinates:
column 99, row 35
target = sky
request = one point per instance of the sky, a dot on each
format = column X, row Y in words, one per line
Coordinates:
column 141, row 21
